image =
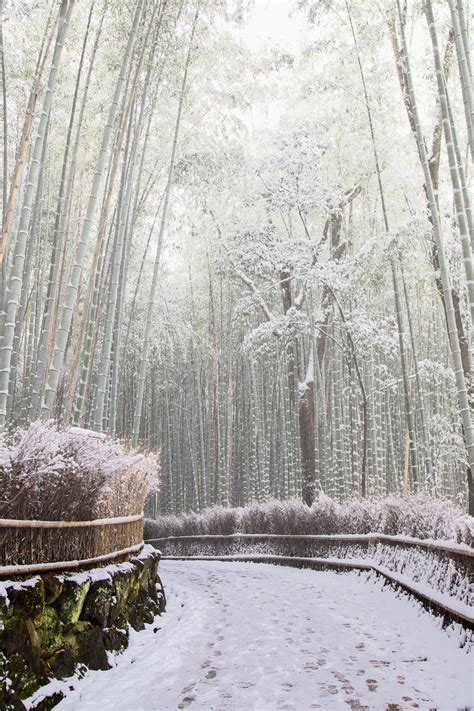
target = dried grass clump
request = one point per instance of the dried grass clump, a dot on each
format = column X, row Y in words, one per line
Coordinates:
column 71, row 475
column 418, row 516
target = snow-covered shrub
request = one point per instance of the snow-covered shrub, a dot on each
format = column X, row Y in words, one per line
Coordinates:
column 217, row 521
column 324, row 516
column 73, row 474
column 254, row 518
column 358, row 516
column 165, row 526
column 424, row 517
column 191, row 524
column 222, row 521
column 290, row 517
column 418, row 516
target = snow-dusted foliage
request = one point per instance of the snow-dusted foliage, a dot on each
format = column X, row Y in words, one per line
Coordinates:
column 74, row 474
column 418, row 516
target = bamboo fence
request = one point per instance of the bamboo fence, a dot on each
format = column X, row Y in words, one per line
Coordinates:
column 27, row 545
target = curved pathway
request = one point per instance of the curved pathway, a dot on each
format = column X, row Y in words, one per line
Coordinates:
column 248, row 637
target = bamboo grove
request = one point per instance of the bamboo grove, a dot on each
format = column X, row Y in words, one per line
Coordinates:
column 254, row 260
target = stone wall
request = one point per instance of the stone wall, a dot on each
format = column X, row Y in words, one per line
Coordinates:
column 51, row 624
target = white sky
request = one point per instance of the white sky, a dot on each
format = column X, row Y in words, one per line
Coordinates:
column 270, row 20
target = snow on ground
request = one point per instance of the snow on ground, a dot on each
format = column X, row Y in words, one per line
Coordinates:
column 253, row 637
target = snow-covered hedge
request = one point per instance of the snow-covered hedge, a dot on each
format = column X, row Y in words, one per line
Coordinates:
column 419, row 516
column 69, row 475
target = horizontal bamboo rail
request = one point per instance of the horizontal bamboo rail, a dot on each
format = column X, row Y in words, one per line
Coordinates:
column 458, row 557
column 24, row 523
column 68, row 564
column 461, row 549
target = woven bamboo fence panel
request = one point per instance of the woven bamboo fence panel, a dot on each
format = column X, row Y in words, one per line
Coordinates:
column 34, row 542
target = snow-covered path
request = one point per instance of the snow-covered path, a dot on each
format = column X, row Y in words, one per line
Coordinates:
column 243, row 637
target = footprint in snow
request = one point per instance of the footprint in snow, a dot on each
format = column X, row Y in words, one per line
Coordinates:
column 379, row 663
column 356, row 705
column 187, row 688
column 344, row 681
column 211, row 674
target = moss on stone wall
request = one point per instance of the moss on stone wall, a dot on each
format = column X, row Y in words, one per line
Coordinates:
column 49, row 625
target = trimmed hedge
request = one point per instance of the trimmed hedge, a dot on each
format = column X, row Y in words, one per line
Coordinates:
column 419, row 516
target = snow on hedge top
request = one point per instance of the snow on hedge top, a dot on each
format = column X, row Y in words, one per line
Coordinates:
column 416, row 516
column 48, row 473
